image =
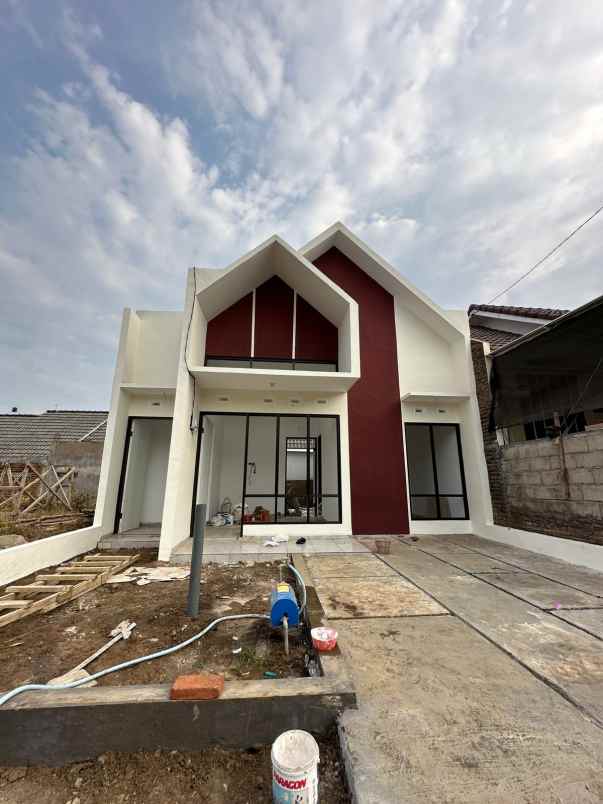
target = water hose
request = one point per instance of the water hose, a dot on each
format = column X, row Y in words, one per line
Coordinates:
column 302, row 584
column 132, row 662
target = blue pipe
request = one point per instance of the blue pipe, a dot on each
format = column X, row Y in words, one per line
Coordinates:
column 131, row 663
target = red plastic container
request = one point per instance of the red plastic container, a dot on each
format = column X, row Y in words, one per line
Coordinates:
column 324, row 639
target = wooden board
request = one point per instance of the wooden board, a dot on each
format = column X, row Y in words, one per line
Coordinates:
column 86, row 574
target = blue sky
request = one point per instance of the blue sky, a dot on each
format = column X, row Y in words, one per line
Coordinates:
column 460, row 139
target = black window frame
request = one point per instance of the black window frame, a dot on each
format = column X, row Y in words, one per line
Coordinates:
column 436, row 494
column 255, row 359
column 276, row 496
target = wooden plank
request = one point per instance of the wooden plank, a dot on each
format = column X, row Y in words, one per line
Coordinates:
column 57, row 728
column 92, row 569
column 60, row 484
column 65, row 577
column 33, row 587
column 52, row 601
column 49, row 488
column 13, row 604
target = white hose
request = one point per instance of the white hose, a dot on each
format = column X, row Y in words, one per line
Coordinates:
column 132, row 662
column 303, row 586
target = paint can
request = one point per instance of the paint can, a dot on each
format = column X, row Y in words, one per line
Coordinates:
column 295, row 758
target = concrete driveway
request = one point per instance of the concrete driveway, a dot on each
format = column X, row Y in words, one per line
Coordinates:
column 478, row 669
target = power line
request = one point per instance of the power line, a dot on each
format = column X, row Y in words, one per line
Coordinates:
column 546, row 256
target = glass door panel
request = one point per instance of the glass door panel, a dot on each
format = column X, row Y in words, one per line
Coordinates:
column 435, row 472
column 260, row 468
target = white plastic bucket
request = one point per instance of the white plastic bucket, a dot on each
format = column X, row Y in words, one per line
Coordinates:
column 295, row 758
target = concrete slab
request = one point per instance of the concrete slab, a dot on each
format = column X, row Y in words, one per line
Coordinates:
column 355, row 566
column 591, row 621
column 554, row 650
column 465, row 559
column 541, row 592
column 444, row 716
column 373, row 597
column 581, row 578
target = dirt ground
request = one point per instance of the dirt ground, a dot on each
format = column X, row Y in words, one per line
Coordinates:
column 215, row 776
column 34, row 531
column 44, row 646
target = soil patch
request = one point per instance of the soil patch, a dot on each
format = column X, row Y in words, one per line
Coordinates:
column 215, row 776
column 44, row 646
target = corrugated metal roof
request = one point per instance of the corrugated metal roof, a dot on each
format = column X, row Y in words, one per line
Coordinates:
column 548, row 313
column 26, row 437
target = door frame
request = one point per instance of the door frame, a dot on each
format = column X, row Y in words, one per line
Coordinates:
column 124, row 466
column 436, row 494
column 278, row 416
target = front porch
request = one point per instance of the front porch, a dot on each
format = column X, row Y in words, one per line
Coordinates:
column 224, row 546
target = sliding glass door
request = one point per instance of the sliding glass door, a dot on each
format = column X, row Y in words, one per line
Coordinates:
column 291, row 470
column 435, row 472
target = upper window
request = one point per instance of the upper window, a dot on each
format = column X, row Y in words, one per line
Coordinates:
column 275, row 364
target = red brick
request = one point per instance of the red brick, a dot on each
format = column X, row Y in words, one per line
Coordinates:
column 197, row 687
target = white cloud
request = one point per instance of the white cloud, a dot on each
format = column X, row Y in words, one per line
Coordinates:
column 460, row 139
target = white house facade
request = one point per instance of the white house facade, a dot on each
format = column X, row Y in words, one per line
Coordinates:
column 310, row 391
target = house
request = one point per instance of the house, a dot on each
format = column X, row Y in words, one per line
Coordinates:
column 306, row 392
column 32, row 436
column 539, row 381
column 71, row 439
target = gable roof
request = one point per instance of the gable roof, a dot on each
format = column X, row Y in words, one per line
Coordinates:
column 29, row 437
column 340, row 237
column 273, row 257
column 497, row 338
column 547, row 313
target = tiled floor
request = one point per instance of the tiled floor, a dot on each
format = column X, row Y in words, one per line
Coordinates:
column 228, row 548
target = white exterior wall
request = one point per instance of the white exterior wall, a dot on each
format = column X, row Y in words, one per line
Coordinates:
column 156, row 471
column 141, row 387
column 438, row 369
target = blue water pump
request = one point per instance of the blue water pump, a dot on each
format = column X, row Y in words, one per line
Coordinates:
column 283, row 603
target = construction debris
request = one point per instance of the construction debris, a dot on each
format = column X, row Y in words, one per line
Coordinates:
column 121, row 631
column 67, row 582
column 144, row 575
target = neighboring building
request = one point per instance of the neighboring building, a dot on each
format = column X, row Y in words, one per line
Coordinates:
column 31, row 437
column 61, row 438
column 539, row 379
column 308, row 392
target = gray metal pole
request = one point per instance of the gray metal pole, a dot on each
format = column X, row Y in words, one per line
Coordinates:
column 194, row 587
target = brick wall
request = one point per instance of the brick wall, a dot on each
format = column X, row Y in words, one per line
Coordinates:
column 543, row 485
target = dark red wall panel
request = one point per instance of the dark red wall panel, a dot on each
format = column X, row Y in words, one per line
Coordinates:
column 273, row 319
column 229, row 334
column 315, row 336
column 377, row 472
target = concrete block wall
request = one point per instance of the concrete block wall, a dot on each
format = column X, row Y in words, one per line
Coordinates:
column 538, row 485
column 86, row 457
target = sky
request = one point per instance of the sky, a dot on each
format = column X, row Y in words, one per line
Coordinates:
column 461, row 139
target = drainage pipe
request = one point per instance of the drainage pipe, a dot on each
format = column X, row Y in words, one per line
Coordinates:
column 132, row 662
column 302, row 584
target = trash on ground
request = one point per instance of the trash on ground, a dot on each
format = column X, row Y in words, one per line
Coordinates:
column 270, row 674
column 324, row 639
column 121, row 631
column 274, row 541
column 72, row 675
column 144, row 575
